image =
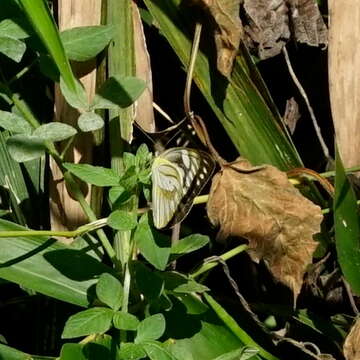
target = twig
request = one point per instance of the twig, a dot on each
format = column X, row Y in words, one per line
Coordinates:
column 163, row 113
column 350, row 296
column 306, row 99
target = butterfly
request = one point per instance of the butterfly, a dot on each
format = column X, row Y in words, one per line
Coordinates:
column 178, row 176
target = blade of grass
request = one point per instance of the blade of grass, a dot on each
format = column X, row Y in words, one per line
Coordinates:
column 238, row 105
column 347, row 227
column 44, row 25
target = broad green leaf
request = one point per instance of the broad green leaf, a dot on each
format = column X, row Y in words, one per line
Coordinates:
column 95, row 175
column 102, row 347
column 347, row 227
column 12, row 29
column 118, row 92
column 90, row 121
column 76, row 97
column 24, row 147
column 125, row 321
column 14, row 123
column 54, row 131
column 236, row 329
column 91, row 321
column 48, row 67
column 12, row 48
column 109, row 291
column 122, row 220
column 143, row 156
column 148, row 282
column 130, row 351
column 9, row 353
column 154, row 246
column 118, row 195
column 151, row 328
column 48, row 267
column 190, row 244
column 180, row 283
column 156, row 351
column 129, row 160
column 129, row 179
column 43, row 23
column 243, row 353
column 84, row 43
column 72, row 352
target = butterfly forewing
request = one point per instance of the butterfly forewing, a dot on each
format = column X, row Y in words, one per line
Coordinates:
column 178, row 175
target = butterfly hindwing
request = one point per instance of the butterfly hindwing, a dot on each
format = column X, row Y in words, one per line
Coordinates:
column 178, row 175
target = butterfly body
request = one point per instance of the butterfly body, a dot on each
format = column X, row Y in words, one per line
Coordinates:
column 178, row 175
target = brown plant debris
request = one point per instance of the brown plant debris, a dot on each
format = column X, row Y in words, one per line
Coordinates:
column 268, row 27
column 228, row 30
column 309, row 26
column 352, row 343
column 292, row 114
column 262, row 206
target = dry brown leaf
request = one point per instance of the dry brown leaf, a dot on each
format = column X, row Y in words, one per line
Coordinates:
column 292, row 114
column 352, row 343
column 268, row 26
column 228, row 30
column 308, row 24
column 144, row 105
column 261, row 205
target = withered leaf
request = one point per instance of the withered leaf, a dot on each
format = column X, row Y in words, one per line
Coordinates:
column 268, row 26
column 292, row 114
column 228, row 30
column 261, row 205
column 144, row 109
column 352, row 343
column 308, row 24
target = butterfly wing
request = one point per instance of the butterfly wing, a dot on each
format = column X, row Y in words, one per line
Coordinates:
column 178, row 176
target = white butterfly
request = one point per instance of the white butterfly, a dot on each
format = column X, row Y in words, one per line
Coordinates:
column 178, row 175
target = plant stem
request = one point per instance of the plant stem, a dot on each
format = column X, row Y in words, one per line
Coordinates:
column 226, row 256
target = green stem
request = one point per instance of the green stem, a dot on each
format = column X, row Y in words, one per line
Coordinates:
column 228, row 255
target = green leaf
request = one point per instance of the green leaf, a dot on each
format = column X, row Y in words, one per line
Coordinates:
column 25, row 147
column 91, row 321
column 95, row 175
column 243, row 353
column 54, row 131
column 156, row 351
column 109, row 291
column 90, row 121
column 10, row 28
column 149, row 283
column 72, row 352
column 39, row 14
column 118, row 91
column 154, row 246
column 102, row 347
column 151, row 328
column 84, row 43
column 130, row 351
column 76, row 97
column 118, row 195
column 12, row 48
column 130, row 179
column 129, row 160
column 125, row 321
column 14, row 123
column 180, row 283
column 122, row 220
column 190, row 244
column 9, row 353
column 143, row 157
column 48, row 267
column 347, row 227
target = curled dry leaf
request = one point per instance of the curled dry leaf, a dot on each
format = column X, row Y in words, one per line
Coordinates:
column 261, row 205
column 268, row 26
column 308, row 24
column 292, row 114
column 228, row 30
column 352, row 343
